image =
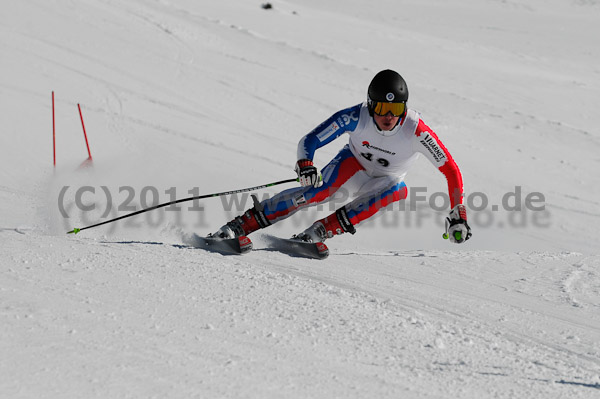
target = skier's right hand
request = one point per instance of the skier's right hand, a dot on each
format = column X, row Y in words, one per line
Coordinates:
column 307, row 173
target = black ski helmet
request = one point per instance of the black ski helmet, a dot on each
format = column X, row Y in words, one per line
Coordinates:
column 387, row 86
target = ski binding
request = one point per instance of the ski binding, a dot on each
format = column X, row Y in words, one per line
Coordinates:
column 297, row 248
column 226, row 246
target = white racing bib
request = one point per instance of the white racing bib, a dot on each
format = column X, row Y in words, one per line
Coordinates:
column 384, row 153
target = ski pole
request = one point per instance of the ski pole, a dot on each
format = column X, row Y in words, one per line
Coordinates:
column 243, row 190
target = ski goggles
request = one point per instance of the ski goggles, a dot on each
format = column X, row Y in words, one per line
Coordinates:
column 382, row 108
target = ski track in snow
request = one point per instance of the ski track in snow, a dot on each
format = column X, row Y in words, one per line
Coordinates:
column 333, row 313
column 216, row 96
column 367, row 315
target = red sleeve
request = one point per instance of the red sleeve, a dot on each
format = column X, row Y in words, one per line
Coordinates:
column 432, row 147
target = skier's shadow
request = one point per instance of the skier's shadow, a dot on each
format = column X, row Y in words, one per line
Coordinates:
column 191, row 245
column 179, row 246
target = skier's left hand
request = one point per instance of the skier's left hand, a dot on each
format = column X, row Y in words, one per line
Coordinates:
column 457, row 228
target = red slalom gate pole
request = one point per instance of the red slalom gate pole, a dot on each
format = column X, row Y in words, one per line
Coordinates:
column 84, row 133
column 53, row 132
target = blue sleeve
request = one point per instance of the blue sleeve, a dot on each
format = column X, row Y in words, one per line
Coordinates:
column 339, row 123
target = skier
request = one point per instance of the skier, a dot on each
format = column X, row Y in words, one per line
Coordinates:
column 385, row 139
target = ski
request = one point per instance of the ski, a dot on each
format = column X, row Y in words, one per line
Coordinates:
column 296, row 248
column 226, row 246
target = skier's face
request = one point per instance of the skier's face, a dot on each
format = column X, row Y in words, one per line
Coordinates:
column 386, row 122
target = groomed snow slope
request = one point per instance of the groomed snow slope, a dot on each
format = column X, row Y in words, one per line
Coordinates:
column 186, row 97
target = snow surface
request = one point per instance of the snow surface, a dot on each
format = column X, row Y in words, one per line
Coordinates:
column 185, row 97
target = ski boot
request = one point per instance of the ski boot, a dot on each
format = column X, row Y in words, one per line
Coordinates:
column 315, row 233
column 333, row 225
column 243, row 225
